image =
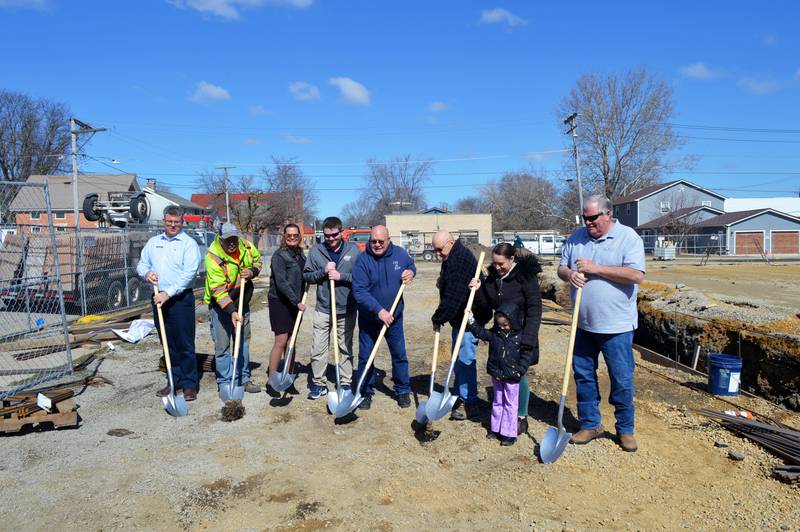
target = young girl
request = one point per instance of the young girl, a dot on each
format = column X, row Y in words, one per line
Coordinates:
column 507, row 364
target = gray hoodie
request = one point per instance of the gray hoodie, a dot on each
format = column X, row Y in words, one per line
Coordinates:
column 314, row 273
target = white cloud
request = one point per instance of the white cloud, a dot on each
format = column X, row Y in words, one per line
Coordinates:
column 760, row 86
column 38, row 5
column 305, row 92
column 259, row 110
column 207, row 92
column 499, row 15
column 437, row 107
column 295, row 139
column 352, row 91
column 251, row 142
column 769, row 40
column 230, row 9
column 700, row 71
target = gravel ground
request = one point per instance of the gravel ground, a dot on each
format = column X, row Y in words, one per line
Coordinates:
column 291, row 467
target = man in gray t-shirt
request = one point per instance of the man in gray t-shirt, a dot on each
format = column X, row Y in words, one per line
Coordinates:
column 606, row 259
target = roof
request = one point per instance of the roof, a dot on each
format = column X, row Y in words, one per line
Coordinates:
column 677, row 215
column 435, row 210
column 61, row 189
column 731, row 218
column 174, row 198
column 306, row 229
column 642, row 193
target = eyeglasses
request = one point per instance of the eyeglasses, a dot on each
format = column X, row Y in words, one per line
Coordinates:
column 592, row 217
column 329, row 236
column 377, row 242
column 292, row 236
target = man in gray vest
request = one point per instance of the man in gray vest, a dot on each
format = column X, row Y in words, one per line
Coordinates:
column 333, row 259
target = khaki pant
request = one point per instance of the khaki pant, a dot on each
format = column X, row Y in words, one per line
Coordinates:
column 345, row 324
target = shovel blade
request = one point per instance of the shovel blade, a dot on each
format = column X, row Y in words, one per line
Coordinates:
column 231, row 393
column 553, row 444
column 333, row 401
column 281, row 382
column 175, row 405
column 439, row 405
column 347, row 403
column 421, row 416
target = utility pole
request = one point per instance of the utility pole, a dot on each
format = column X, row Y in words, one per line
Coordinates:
column 76, row 127
column 227, row 196
column 570, row 121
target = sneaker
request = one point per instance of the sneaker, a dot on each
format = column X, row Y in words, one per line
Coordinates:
column 584, row 436
column 404, row 400
column 366, row 404
column 251, row 387
column 317, row 391
column 492, row 435
column 507, row 441
column 522, row 425
column 345, row 388
column 627, row 442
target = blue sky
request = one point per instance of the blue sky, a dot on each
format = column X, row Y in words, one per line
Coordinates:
column 187, row 85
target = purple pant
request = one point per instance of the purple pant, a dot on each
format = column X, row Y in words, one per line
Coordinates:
column 504, row 408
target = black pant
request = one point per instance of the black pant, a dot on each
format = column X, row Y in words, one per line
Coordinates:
column 179, row 320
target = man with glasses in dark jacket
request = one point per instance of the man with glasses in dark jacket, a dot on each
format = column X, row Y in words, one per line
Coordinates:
column 458, row 267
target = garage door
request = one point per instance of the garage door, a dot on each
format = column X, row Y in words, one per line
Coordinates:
column 787, row 242
column 749, row 243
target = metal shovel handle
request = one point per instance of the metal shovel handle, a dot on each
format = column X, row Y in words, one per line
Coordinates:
column 380, row 338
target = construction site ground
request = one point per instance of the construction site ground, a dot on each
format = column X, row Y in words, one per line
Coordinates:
column 288, row 465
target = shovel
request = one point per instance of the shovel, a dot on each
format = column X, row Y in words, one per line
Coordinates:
column 174, row 405
column 555, row 440
column 440, row 403
column 281, row 381
column 349, row 401
column 336, row 397
column 231, row 392
column 422, row 417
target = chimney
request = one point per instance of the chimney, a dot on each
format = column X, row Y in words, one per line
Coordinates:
column 151, row 184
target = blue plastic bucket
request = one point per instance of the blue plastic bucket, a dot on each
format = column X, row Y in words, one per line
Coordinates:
column 724, row 374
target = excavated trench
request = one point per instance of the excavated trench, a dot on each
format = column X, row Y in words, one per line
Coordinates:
column 675, row 321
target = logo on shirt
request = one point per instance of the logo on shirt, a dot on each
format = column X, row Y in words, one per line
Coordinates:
column 396, row 265
column 346, row 257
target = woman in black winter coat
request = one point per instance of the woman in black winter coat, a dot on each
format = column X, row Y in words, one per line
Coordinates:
column 286, row 287
column 512, row 279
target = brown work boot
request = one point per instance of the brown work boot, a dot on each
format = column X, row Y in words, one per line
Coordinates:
column 627, row 442
column 163, row 392
column 189, row 394
column 584, row 436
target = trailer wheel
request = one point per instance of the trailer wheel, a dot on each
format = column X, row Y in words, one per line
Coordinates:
column 135, row 290
column 427, row 256
column 116, row 295
column 138, row 208
column 90, row 211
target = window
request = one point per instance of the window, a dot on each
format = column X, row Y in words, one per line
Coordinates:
column 664, row 206
column 61, row 229
column 36, row 215
column 60, row 215
column 706, row 203
column 628, row 209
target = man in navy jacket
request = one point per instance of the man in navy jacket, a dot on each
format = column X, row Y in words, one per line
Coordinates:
column 377, row 277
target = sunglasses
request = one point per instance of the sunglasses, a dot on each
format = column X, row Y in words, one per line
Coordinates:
column 292, row 236
column 377, row 242
column 592, row 217
column 332, row 235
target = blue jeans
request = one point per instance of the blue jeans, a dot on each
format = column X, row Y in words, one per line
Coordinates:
column 368, row 331
column 618, row 353
column 466, row 368
column 223, row 333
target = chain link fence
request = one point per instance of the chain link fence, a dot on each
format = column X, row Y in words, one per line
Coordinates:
column 689, row 244
column 34, row 340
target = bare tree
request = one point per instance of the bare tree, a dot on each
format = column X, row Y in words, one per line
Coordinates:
column 624, row 134
column 292, row 194
column 251, row 208
column 357, row 214
column 521, row 200
column 389, row 184
column 34, row 136
column 470, row 205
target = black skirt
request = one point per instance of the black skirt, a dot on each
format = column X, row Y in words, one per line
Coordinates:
column 281, row 315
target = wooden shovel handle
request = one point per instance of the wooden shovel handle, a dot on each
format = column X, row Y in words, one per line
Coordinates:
column 297, row 321
column 435, row 357
column 163, row 331
column 572, row 332
column 465, row 319
column 334, row 324
column 238, row 339
column 383, row 329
